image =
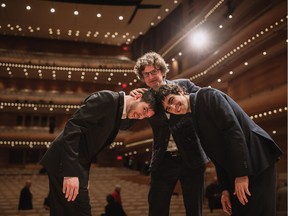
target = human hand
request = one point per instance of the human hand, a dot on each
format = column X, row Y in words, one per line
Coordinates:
column 225, row 201
column 241, row 189
column 70, row 188
column 137, row 91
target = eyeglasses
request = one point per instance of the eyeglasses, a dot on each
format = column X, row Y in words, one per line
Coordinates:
column 153, row 73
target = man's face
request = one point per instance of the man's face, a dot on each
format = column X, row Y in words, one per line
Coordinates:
column 152, row 77
column 139, row 110
column 176, row 104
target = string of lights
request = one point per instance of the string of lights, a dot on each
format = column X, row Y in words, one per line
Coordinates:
column 239, row 47
column 32, row 144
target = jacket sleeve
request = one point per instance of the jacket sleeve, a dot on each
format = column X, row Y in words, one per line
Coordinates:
column 188, row 86
column 227, row 124
column 88, row 115
column 223, row 178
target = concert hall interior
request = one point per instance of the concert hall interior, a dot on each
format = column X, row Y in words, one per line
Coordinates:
column 54, row 53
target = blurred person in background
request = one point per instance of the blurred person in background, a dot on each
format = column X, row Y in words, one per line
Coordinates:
column 25, row 200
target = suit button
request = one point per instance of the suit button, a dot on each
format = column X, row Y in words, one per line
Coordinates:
column 245, row 164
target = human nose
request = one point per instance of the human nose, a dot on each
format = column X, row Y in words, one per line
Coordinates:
column 172, row 108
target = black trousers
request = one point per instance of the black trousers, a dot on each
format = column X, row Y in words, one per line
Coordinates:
column 59, row 206
column 263, row 196
column 163, row 182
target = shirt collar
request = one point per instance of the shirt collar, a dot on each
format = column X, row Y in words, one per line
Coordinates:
column 124, row 114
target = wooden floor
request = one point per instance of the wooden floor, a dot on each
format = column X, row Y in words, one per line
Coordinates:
column 102, row 181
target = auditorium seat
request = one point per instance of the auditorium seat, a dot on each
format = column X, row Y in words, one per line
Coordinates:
column 134, row 192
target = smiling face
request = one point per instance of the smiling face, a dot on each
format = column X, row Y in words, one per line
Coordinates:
column 139, row 110
column 176, row 104
column 153, row 77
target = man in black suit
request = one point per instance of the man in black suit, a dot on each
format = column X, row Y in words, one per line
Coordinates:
column 91, row 128
column 243, row 153
column 174, row 157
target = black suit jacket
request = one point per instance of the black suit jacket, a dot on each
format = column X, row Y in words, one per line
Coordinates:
column 234, row 142
column 91, row 128
column 181, row 127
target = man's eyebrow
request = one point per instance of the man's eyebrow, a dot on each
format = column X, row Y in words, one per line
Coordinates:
column 147, row 72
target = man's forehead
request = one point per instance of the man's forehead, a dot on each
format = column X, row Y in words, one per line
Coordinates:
column 149, row 68
column 146, row 104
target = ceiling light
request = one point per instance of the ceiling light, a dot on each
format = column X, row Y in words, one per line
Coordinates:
column 120, row 17
column 98, row 15
column 200, row 38
column 28, row 7
column 52, row 10
column 3, row 5
column 76, row 13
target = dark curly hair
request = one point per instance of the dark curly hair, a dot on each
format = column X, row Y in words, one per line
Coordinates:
column 150, row 98
column 150, row 58
column 166, row 90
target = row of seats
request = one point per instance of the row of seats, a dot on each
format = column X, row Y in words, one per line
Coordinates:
column 102, row 182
